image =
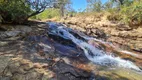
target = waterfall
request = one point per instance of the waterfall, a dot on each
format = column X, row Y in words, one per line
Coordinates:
column 98, row 56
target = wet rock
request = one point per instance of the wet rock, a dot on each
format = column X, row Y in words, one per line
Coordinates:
column 68, row 72
column 62, row 40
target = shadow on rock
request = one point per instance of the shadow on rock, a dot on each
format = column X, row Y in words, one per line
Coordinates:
column 67, row 72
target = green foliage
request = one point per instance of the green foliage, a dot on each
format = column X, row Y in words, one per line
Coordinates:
column 18, row 11
column 97, row 6
column 114, row 17
column 13, row 10
column 128, row 11
column 94, row 5
column 47, row 14
column 62, row 5
column 108, row 5
column 132, row 14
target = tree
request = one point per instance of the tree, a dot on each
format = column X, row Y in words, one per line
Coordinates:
column 97, row 6
column 61, row 4
column 94, row 5
column 108, row 5
column 18, row 11
column 119, row 1
column 39, row 6
column 123, row 2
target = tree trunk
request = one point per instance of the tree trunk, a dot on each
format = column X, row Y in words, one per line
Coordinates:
column 62, row 10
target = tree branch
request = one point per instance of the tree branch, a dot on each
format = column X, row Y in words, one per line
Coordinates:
column 35, row 13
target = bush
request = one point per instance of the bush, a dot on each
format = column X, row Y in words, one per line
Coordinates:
column 13, row 11
column 18, row 11
column 132, row 14
column 114, row 15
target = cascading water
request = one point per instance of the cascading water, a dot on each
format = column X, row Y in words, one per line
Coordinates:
column 97, row 56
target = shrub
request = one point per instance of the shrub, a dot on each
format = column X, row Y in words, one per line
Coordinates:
column 114, row 15
column 13, row 10
column 132, row 14
column 18, row 11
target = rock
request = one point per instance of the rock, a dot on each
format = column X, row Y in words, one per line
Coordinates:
column 123, row 27
column 114, row 29
column 23, row 29
column 14, row 30
column 4, row 60
column 2, row 43
column 6, row 27
column 12, row 33
column 138, row 50
column 95, row 44
column 4, row 78
column 33, row 76
column 20, row 69
column 8, row 34
column 95, row 32
column 17, row 76
column 68, row 72
column 99, row 33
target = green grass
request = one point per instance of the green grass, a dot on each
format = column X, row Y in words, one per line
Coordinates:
column 47, row 14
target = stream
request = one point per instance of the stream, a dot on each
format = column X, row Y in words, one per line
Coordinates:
column 71, row 54
column 110, row 60
column 92, row 51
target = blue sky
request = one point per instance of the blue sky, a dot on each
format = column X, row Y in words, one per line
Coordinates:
column 81, row 4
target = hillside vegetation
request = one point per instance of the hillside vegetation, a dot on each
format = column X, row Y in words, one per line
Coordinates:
column 128, row 11
column 47, row 14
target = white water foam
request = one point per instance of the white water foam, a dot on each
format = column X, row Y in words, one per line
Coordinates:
column 99, row 56
column 116, row 48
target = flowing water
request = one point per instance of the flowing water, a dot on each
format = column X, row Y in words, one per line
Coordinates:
column 92, row 50
column 98, row 56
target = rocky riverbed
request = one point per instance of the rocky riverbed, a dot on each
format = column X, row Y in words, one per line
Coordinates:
column 22, row 56
column 35, row 52
column 112, row 31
